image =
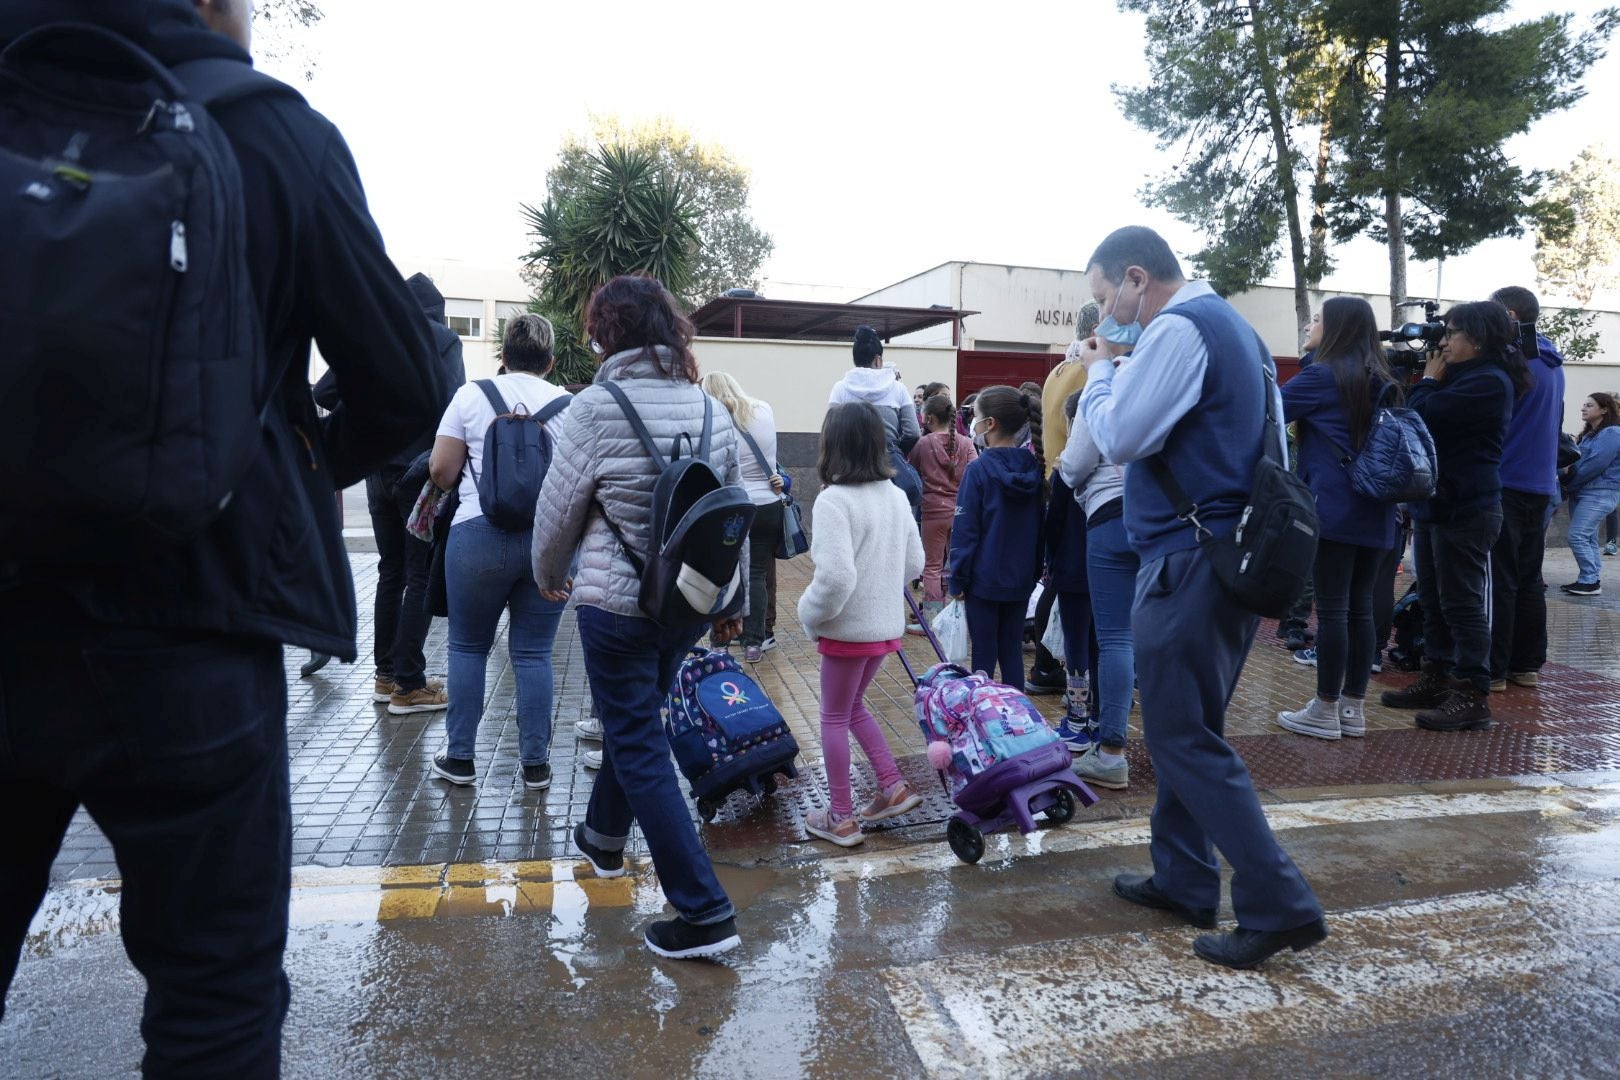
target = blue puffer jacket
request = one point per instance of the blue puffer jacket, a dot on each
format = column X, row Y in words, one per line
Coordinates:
column 1599, row 467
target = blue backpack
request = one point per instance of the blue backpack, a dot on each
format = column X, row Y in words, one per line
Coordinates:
column 133, row 361
column 517, row 453
column 1397, row 462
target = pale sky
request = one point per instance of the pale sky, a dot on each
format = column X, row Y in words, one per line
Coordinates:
column 883, row 137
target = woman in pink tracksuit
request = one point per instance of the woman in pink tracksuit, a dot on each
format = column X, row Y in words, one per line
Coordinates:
column 940, row 457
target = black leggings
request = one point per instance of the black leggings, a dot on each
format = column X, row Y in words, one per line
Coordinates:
column 1345, row 578
column 996, row 633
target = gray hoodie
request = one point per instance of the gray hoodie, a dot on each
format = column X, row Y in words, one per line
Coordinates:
column 878, row 386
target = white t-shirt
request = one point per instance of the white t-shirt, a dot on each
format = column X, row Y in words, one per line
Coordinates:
column 755, row 479
column 469, row 416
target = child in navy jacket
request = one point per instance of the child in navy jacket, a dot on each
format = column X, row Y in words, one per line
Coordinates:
column 997, row 544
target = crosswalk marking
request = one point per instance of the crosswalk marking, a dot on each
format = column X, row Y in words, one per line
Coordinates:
column 989, row 1015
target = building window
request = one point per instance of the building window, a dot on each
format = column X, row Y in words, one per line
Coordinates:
column 467, row 326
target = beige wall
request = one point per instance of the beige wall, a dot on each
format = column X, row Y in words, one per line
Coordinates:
column 795, row 377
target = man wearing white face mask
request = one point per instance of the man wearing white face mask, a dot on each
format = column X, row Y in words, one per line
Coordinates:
column 1194, row 397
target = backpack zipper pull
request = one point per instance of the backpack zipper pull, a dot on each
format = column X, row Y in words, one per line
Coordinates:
column 181, row 117
column 177, row 246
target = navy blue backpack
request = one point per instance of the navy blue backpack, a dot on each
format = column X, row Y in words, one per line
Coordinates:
column 1397, row 462
column 132, row 363
column 517, row 453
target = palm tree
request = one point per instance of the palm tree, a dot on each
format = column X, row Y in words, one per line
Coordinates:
column 630, row 217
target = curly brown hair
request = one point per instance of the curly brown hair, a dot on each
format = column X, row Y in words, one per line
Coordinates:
column 635, row 311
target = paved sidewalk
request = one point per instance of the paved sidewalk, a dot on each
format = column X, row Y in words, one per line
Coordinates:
column 362, row 794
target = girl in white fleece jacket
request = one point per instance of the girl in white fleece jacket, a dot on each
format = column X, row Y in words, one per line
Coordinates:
column 865, row 548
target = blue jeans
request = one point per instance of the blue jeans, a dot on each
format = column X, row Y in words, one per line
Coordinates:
column 1111, row 568
column 487, row 571
column 631, row 663
column 192, row 793
column 1586, row 513
column 1192, row 641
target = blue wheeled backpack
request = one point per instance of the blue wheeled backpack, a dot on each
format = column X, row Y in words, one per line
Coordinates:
column 517, row 453
column 726, row 734
column 132, row 362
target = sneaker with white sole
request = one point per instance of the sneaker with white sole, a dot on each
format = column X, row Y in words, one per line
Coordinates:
column 753, row 654
column 1352, row 717
column 1582, row 588
column 1090, row 768
column 768, row 644
column 897, row 800
column 1317, row 719
column 455, row 770
column 845, row 832
column 591, row 759
column 383, row 689
column 588, row 728
column 537, row 777
column 1078, row 734
column 677, row 939
column 1530, row 679
column 1305, row 656
column 607, row 864
column 426, row 699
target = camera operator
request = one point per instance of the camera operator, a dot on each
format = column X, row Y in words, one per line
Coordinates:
column 1466, row 398
column 1529, row 486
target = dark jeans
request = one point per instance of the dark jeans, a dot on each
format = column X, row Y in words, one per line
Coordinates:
column 996, row 631
column 1454, row 584
column 1346, row 576
column 631, row 663
column 762, row 540
column 402, row 620
column 1191, row 642
column 176, row 743
column 1389, row 564
column 1518, row 602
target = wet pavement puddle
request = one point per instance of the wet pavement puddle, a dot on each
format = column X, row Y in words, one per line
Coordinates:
column 988, row 1014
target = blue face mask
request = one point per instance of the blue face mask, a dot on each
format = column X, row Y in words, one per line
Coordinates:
column 1112, row 331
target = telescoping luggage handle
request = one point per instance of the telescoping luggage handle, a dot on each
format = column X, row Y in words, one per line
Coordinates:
column 928, row 632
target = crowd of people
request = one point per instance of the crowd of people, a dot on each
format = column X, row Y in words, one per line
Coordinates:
column 1106, row 489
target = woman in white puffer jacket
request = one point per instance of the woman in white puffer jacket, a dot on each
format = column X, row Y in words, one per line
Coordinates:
column 598, row 466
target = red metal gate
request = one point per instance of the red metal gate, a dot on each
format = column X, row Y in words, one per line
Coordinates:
column 977, row 369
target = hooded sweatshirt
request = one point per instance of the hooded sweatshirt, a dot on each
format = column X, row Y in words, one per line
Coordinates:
column 997, row 545
column 1530, row 451
column 878, row 386
column 1467, row 412
column 941, row 469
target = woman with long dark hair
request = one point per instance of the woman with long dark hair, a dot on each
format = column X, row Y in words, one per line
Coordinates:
column 1334, row 402
column 1466, row 397
column 1594, row 489
column 600, row 473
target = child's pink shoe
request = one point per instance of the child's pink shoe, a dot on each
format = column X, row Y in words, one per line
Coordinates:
column 845, row 832
column 897, row 800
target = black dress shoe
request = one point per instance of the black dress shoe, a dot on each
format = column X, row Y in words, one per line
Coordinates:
column 1139, row 889
column 1251, row 948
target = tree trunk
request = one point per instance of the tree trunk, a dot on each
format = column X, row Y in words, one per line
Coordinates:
column 1392, row 183
column 1317, row 262
column 1287, row 166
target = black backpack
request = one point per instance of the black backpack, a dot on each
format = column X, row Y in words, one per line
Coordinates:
column 1266, row 563
column 693, row 574
column 131, row 356
column 517, row 453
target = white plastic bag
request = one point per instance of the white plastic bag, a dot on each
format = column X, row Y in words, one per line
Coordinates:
column 1052, row 640
column 1034, row 601
column 950, row 627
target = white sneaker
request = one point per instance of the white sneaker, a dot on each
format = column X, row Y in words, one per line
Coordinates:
column 588, row 728
column 1352, row 718
column 768, row 644
column 591, row 759
column 1316, row 719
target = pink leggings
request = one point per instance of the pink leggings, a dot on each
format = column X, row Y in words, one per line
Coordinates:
column 843, row 680
column 936, row 538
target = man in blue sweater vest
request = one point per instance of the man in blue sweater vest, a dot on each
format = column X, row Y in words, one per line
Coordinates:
column 1529, row 486
column 1194, row 393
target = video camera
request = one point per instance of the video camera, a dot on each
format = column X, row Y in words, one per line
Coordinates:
column 1412, row 342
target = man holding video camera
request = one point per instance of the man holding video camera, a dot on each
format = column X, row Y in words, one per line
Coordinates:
column 1466, row 397
column 1529, row 486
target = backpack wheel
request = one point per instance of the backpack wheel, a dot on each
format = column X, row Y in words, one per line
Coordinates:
column 707, row 809
column 1062, row 810
column 767, row 784
column 966, row 841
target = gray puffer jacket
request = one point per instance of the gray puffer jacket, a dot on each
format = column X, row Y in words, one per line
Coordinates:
column 597, row 461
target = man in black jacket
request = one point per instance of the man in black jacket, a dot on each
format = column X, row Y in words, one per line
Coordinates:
column 401, row 619
column 154, row 695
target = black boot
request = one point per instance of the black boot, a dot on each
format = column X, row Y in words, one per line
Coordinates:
column 1463, row 710
column 1430, row 691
